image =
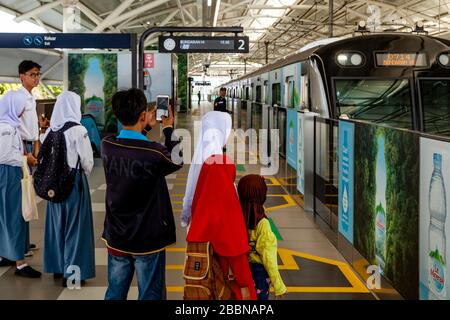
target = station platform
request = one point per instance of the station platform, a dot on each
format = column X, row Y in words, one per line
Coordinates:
column 311, row 267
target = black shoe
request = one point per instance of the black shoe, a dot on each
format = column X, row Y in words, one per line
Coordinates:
column 7, row 263
column 27, row 272
column 33, row 246
column 57, row 275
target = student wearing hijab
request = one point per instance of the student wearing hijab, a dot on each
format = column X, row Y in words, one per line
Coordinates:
column 252, row 191
column 13, row 229
column 69, row 230
column 212, row 199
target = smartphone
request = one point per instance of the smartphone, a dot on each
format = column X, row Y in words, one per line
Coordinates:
column 162, row 106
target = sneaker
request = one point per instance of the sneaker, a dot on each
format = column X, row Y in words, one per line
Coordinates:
column 27, row 272
column 33, row 247
column 29, row 253
column 7, row 263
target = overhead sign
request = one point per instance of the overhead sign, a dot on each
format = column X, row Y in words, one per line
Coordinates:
column 401, row 60
column 66, row 40
column 202, row 83
column 173, row 44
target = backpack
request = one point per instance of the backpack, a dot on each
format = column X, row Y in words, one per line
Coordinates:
column 204, row 278
column 53, row 178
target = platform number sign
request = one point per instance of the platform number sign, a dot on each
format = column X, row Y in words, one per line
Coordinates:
column 172, row 44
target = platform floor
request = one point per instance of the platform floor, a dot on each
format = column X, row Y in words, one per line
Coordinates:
column 310, row 265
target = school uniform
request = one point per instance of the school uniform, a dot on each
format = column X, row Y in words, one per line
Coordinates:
column 13, row 231
column 12, row 225
column 69, row 230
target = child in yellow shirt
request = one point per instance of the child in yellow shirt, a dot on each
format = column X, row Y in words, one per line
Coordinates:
column 252, row 191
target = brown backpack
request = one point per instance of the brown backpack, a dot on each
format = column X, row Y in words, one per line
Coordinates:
column 204, row 278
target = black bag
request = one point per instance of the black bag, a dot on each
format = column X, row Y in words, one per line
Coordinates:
column 53, row 178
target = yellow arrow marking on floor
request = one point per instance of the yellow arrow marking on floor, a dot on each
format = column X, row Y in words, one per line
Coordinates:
column 289, row 203
column 288, row 263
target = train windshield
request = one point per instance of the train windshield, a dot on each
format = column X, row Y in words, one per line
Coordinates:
column 435, row 98
column 380, row 101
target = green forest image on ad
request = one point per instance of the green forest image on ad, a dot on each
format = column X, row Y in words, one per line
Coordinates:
column 386, row 203
column 94, row 77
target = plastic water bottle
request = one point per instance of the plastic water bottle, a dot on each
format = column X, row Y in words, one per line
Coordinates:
column 380, row 236
column 437, row 239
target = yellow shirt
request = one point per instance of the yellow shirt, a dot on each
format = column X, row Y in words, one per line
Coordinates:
column 263, row 250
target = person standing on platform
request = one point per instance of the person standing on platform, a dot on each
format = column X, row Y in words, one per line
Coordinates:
column 13, row 229
column 211, row 205
column 252, row 191
column 220, row 103
column 139, row 222
column 69, row 228
column 30, row 74
column 199, row 97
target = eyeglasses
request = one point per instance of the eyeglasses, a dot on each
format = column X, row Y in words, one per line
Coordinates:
column 35, row 75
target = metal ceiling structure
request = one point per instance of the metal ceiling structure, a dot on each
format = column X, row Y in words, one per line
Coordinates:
column 276, row 28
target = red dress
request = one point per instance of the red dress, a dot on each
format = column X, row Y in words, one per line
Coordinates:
column 217, row 217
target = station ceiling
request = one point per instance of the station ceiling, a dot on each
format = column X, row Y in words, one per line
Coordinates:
column 276, row 28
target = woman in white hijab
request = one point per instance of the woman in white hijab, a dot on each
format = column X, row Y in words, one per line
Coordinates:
column 13, row 230
column 69, row 232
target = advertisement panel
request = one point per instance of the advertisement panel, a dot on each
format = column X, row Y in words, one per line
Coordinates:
column 291, row 138
column 94, row 77
column 300, row 153
column 434, row 222
column 346, row 141
column 386, row 204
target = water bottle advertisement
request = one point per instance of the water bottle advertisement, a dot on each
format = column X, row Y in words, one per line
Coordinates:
column 300, row 155
column 346, row 141
column 434, row 222
column 291, row 138
column 386, row 203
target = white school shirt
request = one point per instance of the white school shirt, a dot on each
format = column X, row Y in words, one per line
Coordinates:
column 10, row 146
column 29, row 123
column 77, row 144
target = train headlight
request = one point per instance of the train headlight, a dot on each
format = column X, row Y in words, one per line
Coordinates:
column 356, row 59
column 342, row 59
column 444, row 59
column 350, row 59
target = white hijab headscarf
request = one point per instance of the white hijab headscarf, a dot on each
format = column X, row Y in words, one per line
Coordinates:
column 11, row 107
column 214, row 133
column 67, row 108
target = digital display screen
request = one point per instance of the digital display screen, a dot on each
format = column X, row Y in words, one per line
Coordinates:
column 196, row 44
column 162, row 103
column 401, row 60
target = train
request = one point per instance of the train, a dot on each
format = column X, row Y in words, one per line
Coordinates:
column 398, row 79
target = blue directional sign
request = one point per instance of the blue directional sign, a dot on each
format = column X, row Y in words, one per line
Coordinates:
column 66, row 40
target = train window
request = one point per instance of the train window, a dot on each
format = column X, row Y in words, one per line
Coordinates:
column 380, row 101
column 290, row 94
column 258, row 94
column 247, row 93
column 265, row 93
column 435, row 99
column 276, row 94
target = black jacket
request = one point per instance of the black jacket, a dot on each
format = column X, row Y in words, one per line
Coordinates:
column 220, row 104
column 139, row 217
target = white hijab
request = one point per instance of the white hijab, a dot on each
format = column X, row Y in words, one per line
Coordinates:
column 11, row 107
column 67, row 108
column 214, row 133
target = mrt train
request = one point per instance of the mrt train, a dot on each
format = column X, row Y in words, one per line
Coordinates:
column 398, row 79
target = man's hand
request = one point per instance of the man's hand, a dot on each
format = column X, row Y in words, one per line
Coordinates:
column 31, row 160
column 167, row 121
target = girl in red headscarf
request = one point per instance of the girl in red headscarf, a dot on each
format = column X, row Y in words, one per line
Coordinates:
column 214, row 211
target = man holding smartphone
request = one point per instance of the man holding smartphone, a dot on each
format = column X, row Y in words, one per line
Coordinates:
column 139, row 222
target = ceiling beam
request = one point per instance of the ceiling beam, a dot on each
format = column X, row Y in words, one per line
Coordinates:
column 36, row 11
column 109, row 20
column 181, row 11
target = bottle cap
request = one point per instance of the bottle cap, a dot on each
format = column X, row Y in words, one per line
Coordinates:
column 437, row 158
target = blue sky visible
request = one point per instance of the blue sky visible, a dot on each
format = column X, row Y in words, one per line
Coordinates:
column 94, row 79
column 381, row 174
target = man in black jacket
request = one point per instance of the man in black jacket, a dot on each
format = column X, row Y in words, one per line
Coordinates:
column 139, row 222
column 220, row 103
